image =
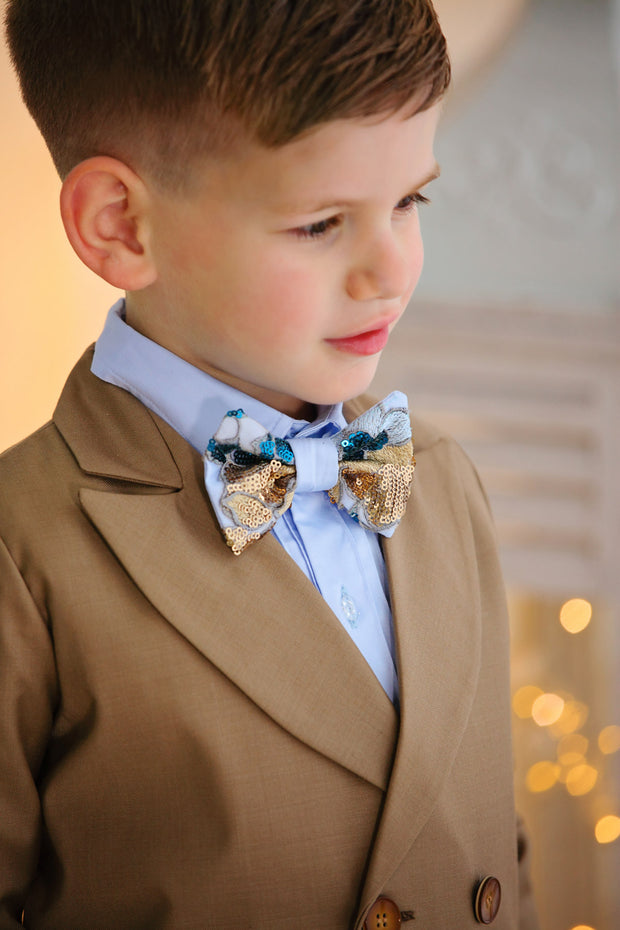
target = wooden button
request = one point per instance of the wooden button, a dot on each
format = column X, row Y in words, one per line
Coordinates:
column 383, row 915
column 488, row 900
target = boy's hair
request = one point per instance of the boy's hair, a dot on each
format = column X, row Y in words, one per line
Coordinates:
column 157, row 82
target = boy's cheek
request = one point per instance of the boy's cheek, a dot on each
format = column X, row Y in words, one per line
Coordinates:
column 285, row 298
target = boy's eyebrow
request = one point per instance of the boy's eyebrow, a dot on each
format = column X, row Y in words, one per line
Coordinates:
column 432, row 175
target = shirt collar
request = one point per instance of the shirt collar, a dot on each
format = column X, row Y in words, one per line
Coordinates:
column 191, row 401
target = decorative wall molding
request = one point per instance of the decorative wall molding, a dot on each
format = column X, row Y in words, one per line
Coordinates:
column 534, row 398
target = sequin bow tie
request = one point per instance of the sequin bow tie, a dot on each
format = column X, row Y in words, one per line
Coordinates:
column 368, row 467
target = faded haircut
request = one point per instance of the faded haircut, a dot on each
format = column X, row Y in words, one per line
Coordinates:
column 158, row 82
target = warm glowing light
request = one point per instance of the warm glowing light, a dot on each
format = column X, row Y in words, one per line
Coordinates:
column 607, row 829
column 581, row 779
column 547, row 709
column 582, row 927
column 542, row 776
column 573, row 717
column 609, row 740
column 572, row 749
column 575, row 615
column 523, row 700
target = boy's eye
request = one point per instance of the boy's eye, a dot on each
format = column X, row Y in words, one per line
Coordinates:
column 322, row 227
column 318, row 229
column 410, row 202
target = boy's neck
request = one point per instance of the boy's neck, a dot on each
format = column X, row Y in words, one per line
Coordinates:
column 296, row 409
column 291, row 406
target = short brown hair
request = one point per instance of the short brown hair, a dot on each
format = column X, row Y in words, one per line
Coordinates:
column 155, row 82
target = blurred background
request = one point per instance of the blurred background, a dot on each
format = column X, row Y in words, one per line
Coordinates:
column 512, row 343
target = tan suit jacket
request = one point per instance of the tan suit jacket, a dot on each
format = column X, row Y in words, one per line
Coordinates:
column 191, row 740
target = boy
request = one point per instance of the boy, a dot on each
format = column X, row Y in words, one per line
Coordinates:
column 314, row 733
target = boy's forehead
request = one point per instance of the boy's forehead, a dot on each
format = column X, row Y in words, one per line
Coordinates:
column 333, row 157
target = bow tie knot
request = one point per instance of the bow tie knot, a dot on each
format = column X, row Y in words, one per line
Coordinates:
column 366, row 469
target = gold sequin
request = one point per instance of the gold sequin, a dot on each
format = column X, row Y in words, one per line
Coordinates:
column 360, row 485
column 255, row 497
column 276, row 493
column 239, row 539
column 249, row 511
column 383, row 489
column 334, row 494
column 390, row 500
column 253, row 480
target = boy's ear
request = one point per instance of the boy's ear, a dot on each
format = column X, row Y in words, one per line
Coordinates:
column 104, row 208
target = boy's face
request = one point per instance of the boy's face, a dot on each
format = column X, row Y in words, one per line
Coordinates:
column 286, row 269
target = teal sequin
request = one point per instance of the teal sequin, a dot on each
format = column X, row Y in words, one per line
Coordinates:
column 284, row 451
column 358, row 443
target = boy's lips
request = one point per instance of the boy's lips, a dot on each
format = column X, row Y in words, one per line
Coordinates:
column 369, row 342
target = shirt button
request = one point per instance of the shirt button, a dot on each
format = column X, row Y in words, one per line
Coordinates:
column 488, row 900
column 383, row 915
column 349, row 609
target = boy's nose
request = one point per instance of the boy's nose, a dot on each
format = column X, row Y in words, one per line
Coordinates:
column 385, row 271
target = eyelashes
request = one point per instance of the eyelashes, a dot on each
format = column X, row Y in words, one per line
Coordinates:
column 410, row 202
column 322, row 228
column 317, row 230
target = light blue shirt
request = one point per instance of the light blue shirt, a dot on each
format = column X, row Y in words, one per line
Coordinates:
column 341, row 558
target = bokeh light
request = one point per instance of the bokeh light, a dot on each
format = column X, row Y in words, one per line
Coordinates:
column 607, row 829
column 547, row 709
column 575, row 615
column 542, row 776
column 523, row 700
column 573, row 717
column 581, row 779
column 572, row 749
column 609, row 739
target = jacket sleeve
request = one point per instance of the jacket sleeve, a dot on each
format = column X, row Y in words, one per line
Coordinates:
column 27, row 701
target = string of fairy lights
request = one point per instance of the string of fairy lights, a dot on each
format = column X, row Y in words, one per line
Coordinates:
column 572, row 754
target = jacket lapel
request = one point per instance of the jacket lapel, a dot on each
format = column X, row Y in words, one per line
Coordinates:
column 256, row 617
column 437, row 623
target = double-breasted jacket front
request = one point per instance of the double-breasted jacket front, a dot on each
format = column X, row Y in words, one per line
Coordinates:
column 191, row 740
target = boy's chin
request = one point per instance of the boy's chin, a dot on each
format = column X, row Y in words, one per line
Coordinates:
column 359, row 383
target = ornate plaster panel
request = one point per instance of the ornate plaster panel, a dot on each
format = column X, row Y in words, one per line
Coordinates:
column 528, row 207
